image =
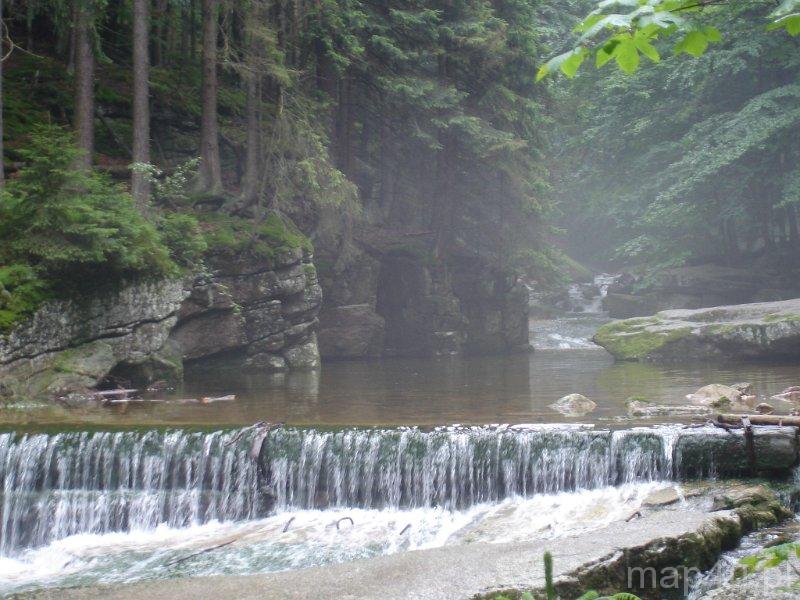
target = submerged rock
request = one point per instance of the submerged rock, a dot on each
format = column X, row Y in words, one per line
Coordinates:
column 574, row 405
column 716, row 396
column 745, row 331
column 642, row 408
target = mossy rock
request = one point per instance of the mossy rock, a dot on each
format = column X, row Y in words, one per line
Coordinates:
column 637, row 339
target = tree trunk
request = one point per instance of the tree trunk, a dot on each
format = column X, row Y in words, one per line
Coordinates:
column 141, row 101
column 2, row 160
column 84, row 82
column 250, row 183
column 192, row 30
column 791, row 216
column 210, row 168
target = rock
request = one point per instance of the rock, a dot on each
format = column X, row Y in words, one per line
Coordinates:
column 715, row 396
column 270, row 363
column 251, row 310
column 74, row 344
column 697, row 286
column 765, row 409
column 745, row 387
column 574, row 405
column 352, row 331
column 793, row 388
column 766, row 330
column 208, row 333
column 304, row 356
column 662, row 497
column 624, row 306
column 787, row 397
column 639, row 408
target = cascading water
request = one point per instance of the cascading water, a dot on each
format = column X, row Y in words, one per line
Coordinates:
column 451, row 468
column 67, row 483
column 584, row 315
column 58, row 485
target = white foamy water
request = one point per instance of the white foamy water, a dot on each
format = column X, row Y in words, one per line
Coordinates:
column 304, row 538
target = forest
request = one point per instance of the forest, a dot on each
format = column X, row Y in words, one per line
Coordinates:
column 208, row 125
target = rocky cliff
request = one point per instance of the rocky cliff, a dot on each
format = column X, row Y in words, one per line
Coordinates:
column 393, row 297
column 260, row 312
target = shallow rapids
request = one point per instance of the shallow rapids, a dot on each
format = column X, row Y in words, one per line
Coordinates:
column 295, row 539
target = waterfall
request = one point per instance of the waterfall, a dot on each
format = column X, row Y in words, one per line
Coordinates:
column 451, row 468
column 56, row 485
column 67, row 483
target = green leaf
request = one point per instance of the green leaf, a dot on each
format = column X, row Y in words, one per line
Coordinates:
column 603, row 56
column 627, row 56
column 647, row 49
column 791, row 23
column 570, row 66
column 590, row 595
column 712, row 34
column 695, row 43
column 568, row 62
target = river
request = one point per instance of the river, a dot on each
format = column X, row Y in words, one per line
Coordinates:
column 141, row 491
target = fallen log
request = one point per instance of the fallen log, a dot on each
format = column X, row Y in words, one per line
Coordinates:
column 739, row 420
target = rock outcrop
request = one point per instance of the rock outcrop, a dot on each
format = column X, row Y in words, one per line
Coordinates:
column 74, row 344
column 261, row 313
column 351, row 331
column 764, row 330
column 392, row 298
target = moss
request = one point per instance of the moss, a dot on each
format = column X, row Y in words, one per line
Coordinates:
column 226, row 234
column 632, row 340
column 782, row 318
column 634, row 400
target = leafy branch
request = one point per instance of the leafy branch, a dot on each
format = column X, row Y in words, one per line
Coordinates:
column 608, row 32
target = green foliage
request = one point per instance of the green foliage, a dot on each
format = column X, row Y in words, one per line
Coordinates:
column 181, row 233
column 67, row 223
column 609, row 31
column 21, row 293
column 685, row 162
column 228, row 235
column 549, row 590
column 769, row 558
column 170, row 189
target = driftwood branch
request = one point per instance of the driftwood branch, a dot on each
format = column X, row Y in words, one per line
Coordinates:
column 198, row 553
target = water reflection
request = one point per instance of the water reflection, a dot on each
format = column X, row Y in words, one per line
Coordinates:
column 505, row 389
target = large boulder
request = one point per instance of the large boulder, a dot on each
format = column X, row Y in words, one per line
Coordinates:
column 763, row 330
column 352, row 331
